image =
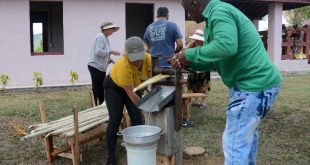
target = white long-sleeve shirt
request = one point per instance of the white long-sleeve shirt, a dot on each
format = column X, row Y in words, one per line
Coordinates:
column 99, row 56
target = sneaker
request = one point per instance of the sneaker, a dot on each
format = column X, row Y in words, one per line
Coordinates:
column 203, row 106
column 187, row 124
column 111, row 160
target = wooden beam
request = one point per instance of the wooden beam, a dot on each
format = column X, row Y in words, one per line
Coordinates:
column 178, row 116
column 193, row 95
column 48, row 141
column 75, row 147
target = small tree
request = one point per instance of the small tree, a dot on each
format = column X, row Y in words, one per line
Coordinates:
column 4, row 79
column 37, row 78
column 74, row 77
column 297, row 16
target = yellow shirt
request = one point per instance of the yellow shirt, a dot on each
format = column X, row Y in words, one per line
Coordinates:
column 124, row 73
column 146, row 71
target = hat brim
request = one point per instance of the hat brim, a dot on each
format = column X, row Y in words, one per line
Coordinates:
column 111, row 27
column 136, row 56
column 197, row 37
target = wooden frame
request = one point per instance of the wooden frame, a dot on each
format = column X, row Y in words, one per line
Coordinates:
column 186, row 98
column 72, row 150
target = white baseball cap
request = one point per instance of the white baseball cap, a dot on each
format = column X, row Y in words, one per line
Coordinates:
column 198, row 35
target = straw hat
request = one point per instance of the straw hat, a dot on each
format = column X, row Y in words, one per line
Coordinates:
column 198, row 35
column 109, row 25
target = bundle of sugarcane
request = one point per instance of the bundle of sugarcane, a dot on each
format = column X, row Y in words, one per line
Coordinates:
column 87, row 119
column 150, row 81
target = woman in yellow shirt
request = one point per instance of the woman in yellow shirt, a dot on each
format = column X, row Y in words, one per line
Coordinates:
column 125, row 74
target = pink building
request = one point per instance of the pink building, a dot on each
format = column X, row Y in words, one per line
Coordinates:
column 69, row 28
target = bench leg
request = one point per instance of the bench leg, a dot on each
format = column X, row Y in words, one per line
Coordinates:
column 49, row 148
column 75, row 154
column 185, row 109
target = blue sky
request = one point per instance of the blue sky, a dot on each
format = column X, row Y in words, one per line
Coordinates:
column 37, row 28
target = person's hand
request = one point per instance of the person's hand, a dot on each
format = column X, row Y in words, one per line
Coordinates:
column 115, row 52
column 178, row 61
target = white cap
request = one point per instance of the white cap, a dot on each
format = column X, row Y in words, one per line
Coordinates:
column 109, row 25
column 198, row 35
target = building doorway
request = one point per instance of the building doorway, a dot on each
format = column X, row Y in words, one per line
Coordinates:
column 138, row 17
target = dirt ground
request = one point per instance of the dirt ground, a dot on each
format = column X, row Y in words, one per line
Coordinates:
column 31, row 152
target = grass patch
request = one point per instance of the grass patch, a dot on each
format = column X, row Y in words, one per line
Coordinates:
column 284, row 133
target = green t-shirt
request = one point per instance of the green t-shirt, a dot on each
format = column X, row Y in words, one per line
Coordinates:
column 234, row 47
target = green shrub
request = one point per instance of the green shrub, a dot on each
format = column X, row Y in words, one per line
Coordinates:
column 4, row 79
column 37, row 78
column 74, row 77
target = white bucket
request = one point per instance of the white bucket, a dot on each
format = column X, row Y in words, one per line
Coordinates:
column 141, row 144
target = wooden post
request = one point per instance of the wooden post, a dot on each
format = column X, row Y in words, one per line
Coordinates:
column 48, row 141
column 92, row 98
column 185, row 109
column 170, row 143
column 164, row 160
column 178, row 115
column 75, row 145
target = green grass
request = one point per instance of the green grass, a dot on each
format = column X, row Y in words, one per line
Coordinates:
column 57, row 103
column 284, row 133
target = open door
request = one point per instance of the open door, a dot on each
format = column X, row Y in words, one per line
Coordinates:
column 138, row 17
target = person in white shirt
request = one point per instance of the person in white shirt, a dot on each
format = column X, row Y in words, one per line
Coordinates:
column 99, row 59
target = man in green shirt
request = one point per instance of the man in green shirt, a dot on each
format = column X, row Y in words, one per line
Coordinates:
column 233, row 46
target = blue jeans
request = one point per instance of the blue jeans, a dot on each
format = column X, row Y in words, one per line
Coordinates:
column 243, row 116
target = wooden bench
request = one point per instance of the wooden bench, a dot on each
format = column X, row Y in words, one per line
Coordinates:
column 70, row 151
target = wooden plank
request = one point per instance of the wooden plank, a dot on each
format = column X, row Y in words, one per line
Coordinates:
column 171, row 141
column 185, row 109
column 178, row 114
column 49, row 148
column 57, row 152
column 48, row 141
column 193, row 95
column 92, row 98
column 89, row 136
column 75, row 147
column 165, row 160
column 42, row 112
column 66, row 155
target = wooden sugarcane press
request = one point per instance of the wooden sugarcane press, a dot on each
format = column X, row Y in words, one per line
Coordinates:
column 163, row 108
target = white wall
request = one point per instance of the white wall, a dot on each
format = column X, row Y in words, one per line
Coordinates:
column 81, row 20
column 15, row 59
column 294, row 65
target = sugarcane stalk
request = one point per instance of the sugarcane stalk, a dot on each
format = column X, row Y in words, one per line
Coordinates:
column 70, row 127
column 86, row 117
column 70, row 120
column 150, row 81
column 85, row 128
column 55, row 127
column 82, row 113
